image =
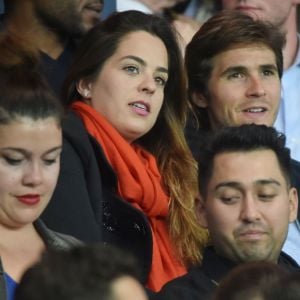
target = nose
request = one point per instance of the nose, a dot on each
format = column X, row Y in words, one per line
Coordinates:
column 147, row 84
column 249, row 210
column 255, row 87
column 33, row 174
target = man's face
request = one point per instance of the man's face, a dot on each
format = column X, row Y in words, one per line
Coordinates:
column 68, row 18
column 244, row 87
column 248, row 206
column 273, row 11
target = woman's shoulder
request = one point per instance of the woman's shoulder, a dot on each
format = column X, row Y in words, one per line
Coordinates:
column 77, row 143
column 55, row 240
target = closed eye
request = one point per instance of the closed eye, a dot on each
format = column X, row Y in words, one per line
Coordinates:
column 12, row 161
column 230, row 200
column 266, row 197
column 49, row 162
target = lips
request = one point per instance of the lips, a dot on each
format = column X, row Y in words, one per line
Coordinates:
column 252, row 232
column 29, row 199
column 140, row 107
column 251, row 235
column 255, row 109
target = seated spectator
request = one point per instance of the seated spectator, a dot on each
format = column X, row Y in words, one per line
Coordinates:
column 250, row 281
column 52, row 29
column 125, row 151
column 30, row 147
column 246, row 202
column 238, row 83
column 283, row 15
column 91, row 272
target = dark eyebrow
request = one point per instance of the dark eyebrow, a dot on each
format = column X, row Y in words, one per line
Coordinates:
column 238, row 186
column 231, row 184
column 267, row 182
column 143, row 63
column 269, row 66
column 242, row 69
column 234, row 69
column 26, row 153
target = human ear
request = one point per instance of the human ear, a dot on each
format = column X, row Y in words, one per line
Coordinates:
column 84, row 88
column 201, row 211
column 199, row 100
column 293, row 203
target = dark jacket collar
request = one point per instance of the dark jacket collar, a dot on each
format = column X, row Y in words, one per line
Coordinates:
column 216, row 267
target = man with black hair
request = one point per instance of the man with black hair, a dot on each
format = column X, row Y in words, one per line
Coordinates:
column 246, row 203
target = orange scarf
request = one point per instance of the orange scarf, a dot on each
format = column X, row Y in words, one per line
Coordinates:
column 139, row 182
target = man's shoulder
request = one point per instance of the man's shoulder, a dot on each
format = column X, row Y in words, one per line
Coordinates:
column 288, row 262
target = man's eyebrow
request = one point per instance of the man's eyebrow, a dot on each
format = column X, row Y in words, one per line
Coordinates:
column 143, row 63
column 269, row 67
column 238, row 186
column 242, row 69
column 267, row 182
column 233, row 69
column 232, row 184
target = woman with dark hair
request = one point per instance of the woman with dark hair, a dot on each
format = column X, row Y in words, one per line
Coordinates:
column 30, row 147
column 127, row 173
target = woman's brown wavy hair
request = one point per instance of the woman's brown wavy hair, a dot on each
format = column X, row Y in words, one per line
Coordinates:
column 166, row 139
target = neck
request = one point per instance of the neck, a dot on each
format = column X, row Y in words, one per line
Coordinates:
column 20, row 247
column 40, row 37
column 291, row 47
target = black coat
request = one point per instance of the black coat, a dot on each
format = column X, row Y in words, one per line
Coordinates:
column 86, row 204
column 201, row 282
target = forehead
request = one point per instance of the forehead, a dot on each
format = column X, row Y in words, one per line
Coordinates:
column 246, row 167
column 248, row 56
column 42, row 131
column 142, row 44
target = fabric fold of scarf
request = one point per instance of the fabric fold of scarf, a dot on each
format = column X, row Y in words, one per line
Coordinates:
column 139, row 182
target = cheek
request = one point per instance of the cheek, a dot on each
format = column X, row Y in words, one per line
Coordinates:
column 274, row 92
column 51, row 178
column 9, row 179
column 158, row 102
column 219, row 219
column 221, row 98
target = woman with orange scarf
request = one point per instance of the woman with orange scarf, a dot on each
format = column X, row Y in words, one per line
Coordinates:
column 127, row 176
